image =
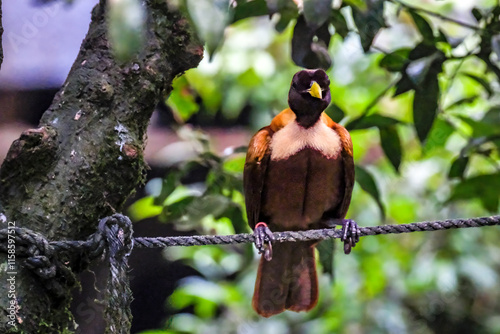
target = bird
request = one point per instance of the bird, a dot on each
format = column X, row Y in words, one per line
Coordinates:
column 298, row 173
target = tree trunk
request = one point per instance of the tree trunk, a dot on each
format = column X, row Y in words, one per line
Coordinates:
column 86, row 156
column 1, row 34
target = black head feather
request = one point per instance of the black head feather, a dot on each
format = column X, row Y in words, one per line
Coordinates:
column 306, row 107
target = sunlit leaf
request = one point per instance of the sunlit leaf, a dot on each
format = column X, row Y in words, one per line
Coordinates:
column 462, row 101
column 169, row 184
column 182, row 101
column 367, row 183
column 439, row 134
column 481, row 81
column 234, row 164
column 389, row 139
column 144, row 208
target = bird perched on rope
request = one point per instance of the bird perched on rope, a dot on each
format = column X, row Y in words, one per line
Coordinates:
column 299, row 171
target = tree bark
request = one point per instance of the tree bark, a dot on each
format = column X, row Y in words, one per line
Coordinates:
column 86, row 156
column 1, row 34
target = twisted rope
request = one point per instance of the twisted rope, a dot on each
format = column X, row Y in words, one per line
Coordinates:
column 318, row 234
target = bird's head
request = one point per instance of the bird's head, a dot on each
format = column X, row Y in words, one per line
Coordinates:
column 309, row 95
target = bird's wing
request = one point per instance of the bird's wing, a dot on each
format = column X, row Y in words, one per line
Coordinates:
column 256, row 163
column 255, row 171
column 347, row 161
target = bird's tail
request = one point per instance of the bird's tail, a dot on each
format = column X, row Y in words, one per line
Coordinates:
column 288, row 281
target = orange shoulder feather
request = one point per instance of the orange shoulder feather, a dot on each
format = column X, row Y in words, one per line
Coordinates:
column 283, row 118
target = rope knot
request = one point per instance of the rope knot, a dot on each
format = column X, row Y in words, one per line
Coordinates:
column 42, row 259
column 117, row 230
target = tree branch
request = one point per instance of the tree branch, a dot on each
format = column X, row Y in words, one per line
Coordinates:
column 86, row 156
column 437, row 15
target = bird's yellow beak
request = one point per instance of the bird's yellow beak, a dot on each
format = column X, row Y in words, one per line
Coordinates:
column 315, row 90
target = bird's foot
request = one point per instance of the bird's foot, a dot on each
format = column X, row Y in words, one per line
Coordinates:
column 350, row 234
column 263, row 238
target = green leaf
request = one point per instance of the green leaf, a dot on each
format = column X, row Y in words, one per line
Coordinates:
column 458, row 167
column 481, row 81
column 316, row 12
column 369, row 21
column 310, row 45
column 423, row 27
column 481, row 129
column 418, row 70
column 439, row 134
column 207, row 205
column 483, row 187
column 250, row 9
column 169, row 184
column 495, row 44
column 425, row 105
column 326, row 249
column 287, row 10
column 210, row 18
column 370, row 121
column 403, row 85
column 464, row 100
column 234, row 164
column 395, row 61
column 389, row 139
column 126, row 20
column 339, row 22
column 422, row 50
column 182, row 101
column 235, row 214
column 177, row 209
column 335, row 112
column 367, row 183
column 477, row 14
column 492, row 116
column 144, row 208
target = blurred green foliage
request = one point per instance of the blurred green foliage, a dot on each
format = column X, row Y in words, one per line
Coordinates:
column 417, row 85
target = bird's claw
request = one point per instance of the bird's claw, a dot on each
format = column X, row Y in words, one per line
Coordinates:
column 262, row 239
column 350, row 234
